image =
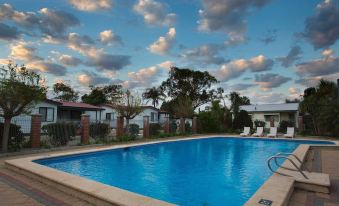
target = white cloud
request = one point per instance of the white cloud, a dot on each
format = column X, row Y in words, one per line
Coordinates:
column 166, row 65
column 108, row 37
column 205, row 54
column 155, row 13
column 69, row 60
column 268, row 81
column 237, row 67
column 91, row 5
column 163, row 44
column 47, row 67
column 327, row 52
column 91, row 78
column 227, row 16
column 22, row 51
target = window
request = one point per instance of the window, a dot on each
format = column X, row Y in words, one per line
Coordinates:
column 152, row 116
column 47, row 114
column 108, row 116
column 269, row 117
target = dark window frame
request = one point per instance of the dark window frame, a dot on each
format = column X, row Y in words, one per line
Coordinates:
column 44, row 115
column 110, row 116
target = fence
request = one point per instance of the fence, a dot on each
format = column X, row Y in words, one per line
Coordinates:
column 31, row 132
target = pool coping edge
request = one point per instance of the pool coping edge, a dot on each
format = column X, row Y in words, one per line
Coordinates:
column 96, row 191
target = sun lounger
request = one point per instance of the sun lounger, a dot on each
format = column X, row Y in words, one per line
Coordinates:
column 290, row 132
column 259, row 133
column 273, row 132
column 246, row 132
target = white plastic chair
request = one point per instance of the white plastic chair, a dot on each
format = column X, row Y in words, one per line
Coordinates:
column 259, row 133
column 246, row 132
column 290, row 132
column 273, row 132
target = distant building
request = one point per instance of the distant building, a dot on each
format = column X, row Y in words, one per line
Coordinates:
column 279, row 112
column 57, row 111
column 110, row 113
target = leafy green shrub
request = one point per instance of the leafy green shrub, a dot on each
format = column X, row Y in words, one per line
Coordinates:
column 241, row 120
column 134, row 129
column 259, row 123
column 99, row 130
column 60, row 132
column 154, row 129
column 126, row 138
column 207, row 123
column 284, row 124
column 16, row 137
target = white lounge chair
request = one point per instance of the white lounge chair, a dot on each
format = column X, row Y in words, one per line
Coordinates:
column 259, row 133
column 273, row 132
column 246, row 132
column 290, row 132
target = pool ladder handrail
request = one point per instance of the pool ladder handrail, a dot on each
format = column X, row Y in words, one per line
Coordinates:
column 282, row 155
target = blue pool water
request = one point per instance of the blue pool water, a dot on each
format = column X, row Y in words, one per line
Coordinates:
column 206, row 172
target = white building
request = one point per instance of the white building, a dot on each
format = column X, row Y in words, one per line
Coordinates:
column 110, row 114
column 279, row 112
column 52, row 111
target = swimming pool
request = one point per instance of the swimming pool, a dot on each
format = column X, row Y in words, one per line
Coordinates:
column 210, row 171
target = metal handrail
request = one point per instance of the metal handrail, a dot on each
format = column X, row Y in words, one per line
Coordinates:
column 289, row 154
column 284, row 157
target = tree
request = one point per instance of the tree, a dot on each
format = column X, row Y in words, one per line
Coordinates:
column 186, row 82
column 237, row 101
column 243, row 119
column 320, row 103
column 103, row 95
column 129, row 108
column 64, row 92
column 154, row 94
column 183, row 107
column 19, row 89
column 213, row 119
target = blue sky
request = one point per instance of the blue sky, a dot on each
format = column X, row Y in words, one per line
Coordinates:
column 269, row 50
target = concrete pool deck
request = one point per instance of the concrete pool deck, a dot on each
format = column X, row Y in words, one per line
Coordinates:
column 90, row 191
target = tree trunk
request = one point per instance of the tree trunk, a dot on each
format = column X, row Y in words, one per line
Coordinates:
column 127, row 126
column 5, row 135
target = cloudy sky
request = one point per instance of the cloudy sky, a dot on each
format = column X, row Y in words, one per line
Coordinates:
column 268, row 50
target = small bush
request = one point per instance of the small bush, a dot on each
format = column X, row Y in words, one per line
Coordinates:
column 259, row 123
column 126, row 138
column 99, row 130
column 134, row 130
column 16, row 137
column 154, row 129
column 241, row 120
column 60, row 132
column 284, row 124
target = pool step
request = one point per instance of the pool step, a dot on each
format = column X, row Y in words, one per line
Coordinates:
column 316, row 182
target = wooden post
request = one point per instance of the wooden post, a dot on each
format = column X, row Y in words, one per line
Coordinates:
column 146, row 127
column 35, row 130
column 182, row 125
column 85, row 129
column 166, row 125
column 194, row 125
column 120, row 126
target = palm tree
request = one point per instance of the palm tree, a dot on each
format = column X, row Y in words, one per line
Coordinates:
column 154, row 94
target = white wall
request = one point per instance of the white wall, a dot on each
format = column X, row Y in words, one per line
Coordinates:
column 137, row 120
column 24, row 120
